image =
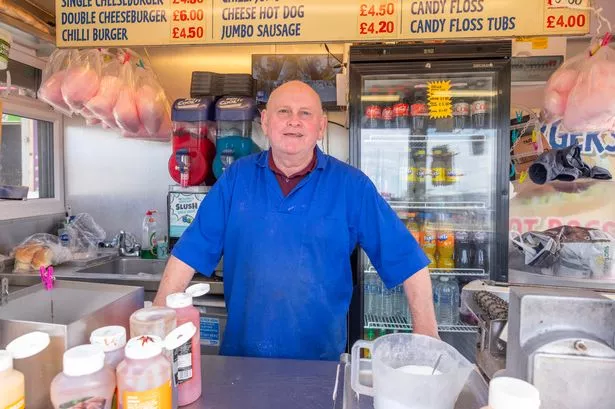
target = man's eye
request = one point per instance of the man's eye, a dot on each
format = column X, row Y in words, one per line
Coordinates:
column 306, row 114
column 283, row 111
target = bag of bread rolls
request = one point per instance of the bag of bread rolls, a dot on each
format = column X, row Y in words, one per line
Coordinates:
column 39, row 250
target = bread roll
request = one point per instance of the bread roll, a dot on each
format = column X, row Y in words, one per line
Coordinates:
column 42, row 258
column 25, row 254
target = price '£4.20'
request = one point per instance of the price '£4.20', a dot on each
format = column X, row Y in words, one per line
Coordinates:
column 378, row 18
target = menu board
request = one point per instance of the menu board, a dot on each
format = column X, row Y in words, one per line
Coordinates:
column 86, row 23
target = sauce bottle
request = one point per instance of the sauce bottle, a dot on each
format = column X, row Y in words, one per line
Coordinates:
column 12, row 384
column 144, row 376
column 157, row 321
column 85, row 381
column 186, row 357
column 112, row 340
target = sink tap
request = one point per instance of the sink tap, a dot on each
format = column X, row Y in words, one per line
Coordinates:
column 123, row 251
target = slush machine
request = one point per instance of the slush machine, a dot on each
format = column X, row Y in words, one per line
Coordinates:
column 193, row 151
column 234, row 117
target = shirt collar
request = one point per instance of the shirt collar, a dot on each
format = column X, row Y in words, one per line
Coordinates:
column 321, row 159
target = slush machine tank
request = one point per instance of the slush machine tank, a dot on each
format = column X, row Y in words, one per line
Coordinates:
column 193, row 152
column 234, row 117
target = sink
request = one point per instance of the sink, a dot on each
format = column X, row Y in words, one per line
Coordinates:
column 127, row 266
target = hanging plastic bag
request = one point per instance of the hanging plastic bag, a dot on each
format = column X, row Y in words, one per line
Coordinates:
column 84, row 234
column 40, row 250
column 101, row 105
column 125, row 109
column 152, row 103
column 591, row 103
column 54, row 74
column 82, row 78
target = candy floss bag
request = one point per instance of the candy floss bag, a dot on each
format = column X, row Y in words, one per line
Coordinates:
column 101, row 105
column 153, row 106
column 591, row 103
column 54, row 73
column 125, row 109
column 82, row 78
column 558, row 88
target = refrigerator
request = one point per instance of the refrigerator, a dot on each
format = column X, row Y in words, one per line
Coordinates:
column 429, row 125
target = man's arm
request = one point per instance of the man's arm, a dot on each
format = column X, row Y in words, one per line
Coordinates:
column 420, row 299
column 176, row 277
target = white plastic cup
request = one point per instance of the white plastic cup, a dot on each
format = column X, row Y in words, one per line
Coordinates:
column 512, row 393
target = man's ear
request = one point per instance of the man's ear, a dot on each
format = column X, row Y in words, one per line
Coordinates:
column 264, row 121
column 323, row 126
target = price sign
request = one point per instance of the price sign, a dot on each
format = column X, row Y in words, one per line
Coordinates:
column 378, row 19
column 566, row 16
column 188, row 20
column 439, row 99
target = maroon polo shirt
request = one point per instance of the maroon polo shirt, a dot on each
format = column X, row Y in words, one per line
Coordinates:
column 288, row 183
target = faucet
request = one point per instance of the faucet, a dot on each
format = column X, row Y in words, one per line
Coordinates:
column 123, row 251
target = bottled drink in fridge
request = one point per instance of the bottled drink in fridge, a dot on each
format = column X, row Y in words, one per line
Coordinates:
column 372, row 294
column 388, row 121
column 399, row 306
column 401, row 112
column 412, row 224
column 463, row 248
column 447, row 308
column 481, row 250
column 445, row 242
column 387, row 301
column 461, row 114
column 480, row 114
column 429, row 234
column 419, row 156
column 412, row 175
column 372, row 117
column 438, row 167
column 420, row 114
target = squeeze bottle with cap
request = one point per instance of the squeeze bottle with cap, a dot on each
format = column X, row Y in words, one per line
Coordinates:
column 24, row 351
column 144, row 376
column 12, row 385
column 112, row 340
column 186, row 357
column 84, row 381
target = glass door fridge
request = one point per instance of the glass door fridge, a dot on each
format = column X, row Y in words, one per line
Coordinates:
column 429, row 126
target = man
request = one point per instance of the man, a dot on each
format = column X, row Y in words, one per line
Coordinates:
column 286, row 221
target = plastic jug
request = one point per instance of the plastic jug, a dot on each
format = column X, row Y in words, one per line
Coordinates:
column 401, row 371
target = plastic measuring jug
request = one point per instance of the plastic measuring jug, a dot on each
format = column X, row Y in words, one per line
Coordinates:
column 402, row 366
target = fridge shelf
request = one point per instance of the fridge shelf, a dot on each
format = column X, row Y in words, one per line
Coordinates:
column 400, row 324
column 403, row 135
column 443, row 205
column 455, row 272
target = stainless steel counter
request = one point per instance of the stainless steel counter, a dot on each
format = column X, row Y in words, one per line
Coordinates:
column 254, row 383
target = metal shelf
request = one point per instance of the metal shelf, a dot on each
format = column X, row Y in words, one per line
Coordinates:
column 451, row 272
column 401, row 324
column 443, row 205
column 402, row 135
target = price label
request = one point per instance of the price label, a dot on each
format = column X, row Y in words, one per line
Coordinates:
column 188, row 20
column 567, row 3
column 378, row 18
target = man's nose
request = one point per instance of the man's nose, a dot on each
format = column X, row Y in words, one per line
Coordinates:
column 294, row 120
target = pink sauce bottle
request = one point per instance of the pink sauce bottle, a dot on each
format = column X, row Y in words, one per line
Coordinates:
column 186, row 357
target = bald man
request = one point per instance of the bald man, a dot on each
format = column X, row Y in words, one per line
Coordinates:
column 286, row 221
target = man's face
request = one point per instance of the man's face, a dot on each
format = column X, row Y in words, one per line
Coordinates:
column 293, row 120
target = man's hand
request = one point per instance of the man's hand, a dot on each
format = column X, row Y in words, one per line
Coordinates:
column 420, row 299
column 176, row 277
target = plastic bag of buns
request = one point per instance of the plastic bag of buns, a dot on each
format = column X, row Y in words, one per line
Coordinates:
column 39, row 250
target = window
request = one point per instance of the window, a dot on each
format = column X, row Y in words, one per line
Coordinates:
column 31, row 156
column 26, row 155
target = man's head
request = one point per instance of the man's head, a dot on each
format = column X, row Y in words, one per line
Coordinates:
column 293, row 120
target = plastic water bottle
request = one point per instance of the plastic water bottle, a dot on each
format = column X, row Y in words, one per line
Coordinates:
column 370, row 289
column 399, row 307
column 387, row 301
column 447, row 308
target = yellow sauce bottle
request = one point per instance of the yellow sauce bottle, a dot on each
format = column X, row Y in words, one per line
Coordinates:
column 12, row 386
